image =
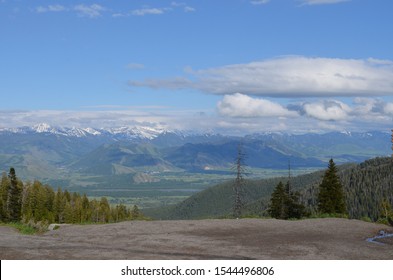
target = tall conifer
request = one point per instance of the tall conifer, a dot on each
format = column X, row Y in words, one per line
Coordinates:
column 14, row 203
column 331, row 195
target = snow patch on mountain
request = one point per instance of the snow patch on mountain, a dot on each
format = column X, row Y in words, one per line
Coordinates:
column 136, row 132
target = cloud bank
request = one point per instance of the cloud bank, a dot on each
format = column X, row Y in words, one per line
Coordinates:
column 290, row 76
column 325, row 114
column 236, row 114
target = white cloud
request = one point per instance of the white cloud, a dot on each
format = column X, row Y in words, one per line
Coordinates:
column 148, row 11
column 91, row 11
column 388, row 108
column 186, row 8
column 235, row 114
column 51, row 8
column 159, row 11
column 260, row 2
column 240, row 105
column 290, row 76
column 328, row 110
column 189, row 9
column 322, row 2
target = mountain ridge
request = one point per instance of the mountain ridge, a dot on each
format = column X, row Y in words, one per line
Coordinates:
column 73, row 157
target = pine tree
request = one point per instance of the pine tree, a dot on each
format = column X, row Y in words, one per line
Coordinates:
column 284, row 204
column 135, row 213
column 331, row 194
column 104, row 210
column 295, row 209
column 278, row 200
column 86, row 211
column 14, row 200
column 4, row 188
column 59, row 206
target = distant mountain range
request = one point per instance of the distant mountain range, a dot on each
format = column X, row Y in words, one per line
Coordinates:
column 141, row 132
column 147, row 153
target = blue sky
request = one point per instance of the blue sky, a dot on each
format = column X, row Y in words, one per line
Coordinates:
column 237, row 66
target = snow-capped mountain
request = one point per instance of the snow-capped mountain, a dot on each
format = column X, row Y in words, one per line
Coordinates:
column 44, row 151
column 136, row 132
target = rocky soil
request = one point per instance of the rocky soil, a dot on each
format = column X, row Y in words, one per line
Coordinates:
column 202, row 239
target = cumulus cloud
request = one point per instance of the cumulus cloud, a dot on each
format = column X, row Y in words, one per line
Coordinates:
column 91, row 11
column 290, row 76
column 240, row 105
column 327, row 110
column 361, row 114
column 322, row 2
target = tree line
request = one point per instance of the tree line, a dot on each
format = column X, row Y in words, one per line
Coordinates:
column 286, row 204
column 26, row 202
column 364, row 191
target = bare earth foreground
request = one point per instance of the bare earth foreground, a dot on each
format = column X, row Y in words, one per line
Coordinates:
column 202, row 239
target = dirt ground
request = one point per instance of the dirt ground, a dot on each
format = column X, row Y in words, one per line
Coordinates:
column 202, row 239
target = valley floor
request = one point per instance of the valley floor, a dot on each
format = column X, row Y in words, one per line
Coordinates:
column 202, row 239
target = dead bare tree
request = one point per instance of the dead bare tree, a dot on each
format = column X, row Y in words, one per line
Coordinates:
column 392, row 143
column 239, row 181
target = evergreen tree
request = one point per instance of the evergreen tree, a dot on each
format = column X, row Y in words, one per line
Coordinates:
column 278, row 199
column 86, row 211
column 35, row 202
column 284, row 204
column 104, row 210
column 14, row 200
column 59, row 206
column 386, row 212
column 135, row 213
column 4, row 188
column 295, row 209
column 331, row 195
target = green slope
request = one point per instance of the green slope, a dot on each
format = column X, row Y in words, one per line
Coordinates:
column 217, row 201
column 365, row 186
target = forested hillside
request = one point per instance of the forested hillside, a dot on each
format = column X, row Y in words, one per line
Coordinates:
column 37, row 203
column 217, row 201
column 366, row 185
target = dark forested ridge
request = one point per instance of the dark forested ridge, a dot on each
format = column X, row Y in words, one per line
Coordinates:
column 366, row 186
